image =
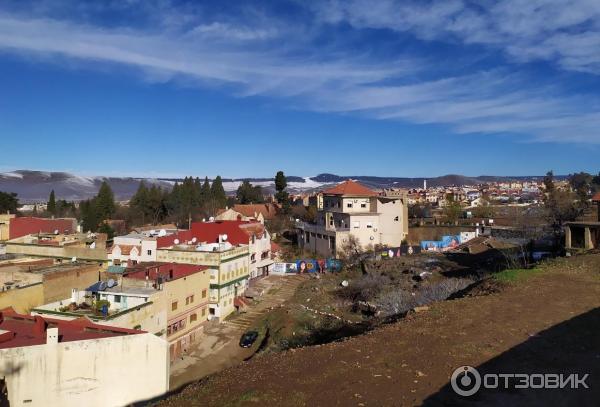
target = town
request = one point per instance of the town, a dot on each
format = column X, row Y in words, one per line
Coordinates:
column 299, row 203
column 150, row 280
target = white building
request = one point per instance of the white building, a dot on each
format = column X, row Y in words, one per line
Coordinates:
column 51, row 362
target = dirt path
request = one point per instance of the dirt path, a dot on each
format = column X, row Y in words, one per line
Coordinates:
column 219, row 348
column 545, row 323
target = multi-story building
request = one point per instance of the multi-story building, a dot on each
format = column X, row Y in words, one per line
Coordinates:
column 228, row 266
column 166, row 299
column 53, row 362
column 353, row 209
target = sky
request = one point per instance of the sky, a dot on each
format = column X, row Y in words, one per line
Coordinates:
column 243, row 89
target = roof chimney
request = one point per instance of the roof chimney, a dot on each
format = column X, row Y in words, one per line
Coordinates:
column 52, row 336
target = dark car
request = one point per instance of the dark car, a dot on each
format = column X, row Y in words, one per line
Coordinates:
column 248, row 339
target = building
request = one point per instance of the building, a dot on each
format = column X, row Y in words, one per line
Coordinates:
column 53, row 362
column 133, row 248
column 166, row 299
column 185, row 287
column 231, row 214
column 261, row 212
column 20, row 227
column 228, row 265
column 353, row 209
column 24, row 286
column 78, row 246
column 5, row 220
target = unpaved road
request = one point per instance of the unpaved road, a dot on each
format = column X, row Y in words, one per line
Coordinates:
column 219, row 347
column 547, row 323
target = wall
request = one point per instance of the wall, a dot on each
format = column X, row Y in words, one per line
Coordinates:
column 23, row 299
column 100, row 372
column 58, row 284
column 81, row 253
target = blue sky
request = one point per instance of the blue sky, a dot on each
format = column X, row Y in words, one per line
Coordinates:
column 398, row 88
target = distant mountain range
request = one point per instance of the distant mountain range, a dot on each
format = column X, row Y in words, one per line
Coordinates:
column 35, row 186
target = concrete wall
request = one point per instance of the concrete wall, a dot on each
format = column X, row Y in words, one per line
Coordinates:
column 23, row 299
column 58, row 284
column 100, row 372
column 81, row 253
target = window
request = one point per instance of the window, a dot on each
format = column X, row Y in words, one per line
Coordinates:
column 356, row 225
column 117, row 298
column 204, row 293
column 149, row 252
column 396, row 219
column 189, row 299
column 349, row 205
column 204, row 311
column 173, row 305
column 369, row 225
column 193, row 318
column 363, row 205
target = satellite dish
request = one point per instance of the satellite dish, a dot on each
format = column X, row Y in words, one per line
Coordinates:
column 56, row 231
column 93, row 245
column 194, row 240
column 74, row 259
column 162, row 233
column 102, row 286
column 152, row 231
column 176, row 241
column 111, row 283
column 224, row 237
column 211, row 219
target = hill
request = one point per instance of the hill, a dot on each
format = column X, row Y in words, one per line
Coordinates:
column 544, row 322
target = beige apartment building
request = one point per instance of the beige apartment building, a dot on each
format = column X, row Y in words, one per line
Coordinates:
column 353, row 209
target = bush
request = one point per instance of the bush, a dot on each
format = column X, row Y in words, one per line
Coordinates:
column 366, row 287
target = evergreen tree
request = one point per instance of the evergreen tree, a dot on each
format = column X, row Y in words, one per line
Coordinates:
column 105, row 202
column 88, row 215
column 248, row 193
column 105, row 228
column 138, row 203
column 8, row 202
column 51, row 206
column 282, row 196
column 205, row 193
column 217, row 193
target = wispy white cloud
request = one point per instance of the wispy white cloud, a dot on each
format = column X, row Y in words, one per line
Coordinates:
column 263, row 56
column 566, row 32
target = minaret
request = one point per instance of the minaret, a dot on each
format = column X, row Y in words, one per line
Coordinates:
column 425, row 184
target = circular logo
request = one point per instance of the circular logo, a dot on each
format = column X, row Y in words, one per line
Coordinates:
column 465, row 381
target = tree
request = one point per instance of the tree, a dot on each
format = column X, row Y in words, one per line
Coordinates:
column 105, row 202
column 217, row 193
column 88, row 215
column 549, row 182
column 581, row 183
column 559, row 206
column 8, row 202
column 248, row 193
column 282, row 196
column 105, row 228
column 138, row 203
column 51, row 206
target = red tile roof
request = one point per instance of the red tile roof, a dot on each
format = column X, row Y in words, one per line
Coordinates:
column 24, row 226
column 268, row 210
column 155, row 269
column 237, row 231
column 17, row 330
column 350, row 188
column 596, row 197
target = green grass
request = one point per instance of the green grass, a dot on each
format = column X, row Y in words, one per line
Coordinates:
column 515, row 275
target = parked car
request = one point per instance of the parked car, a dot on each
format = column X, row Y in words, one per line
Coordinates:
column 248, row 339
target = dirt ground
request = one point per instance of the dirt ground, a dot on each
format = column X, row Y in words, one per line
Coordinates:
column 219, row 347
column 545, row 323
